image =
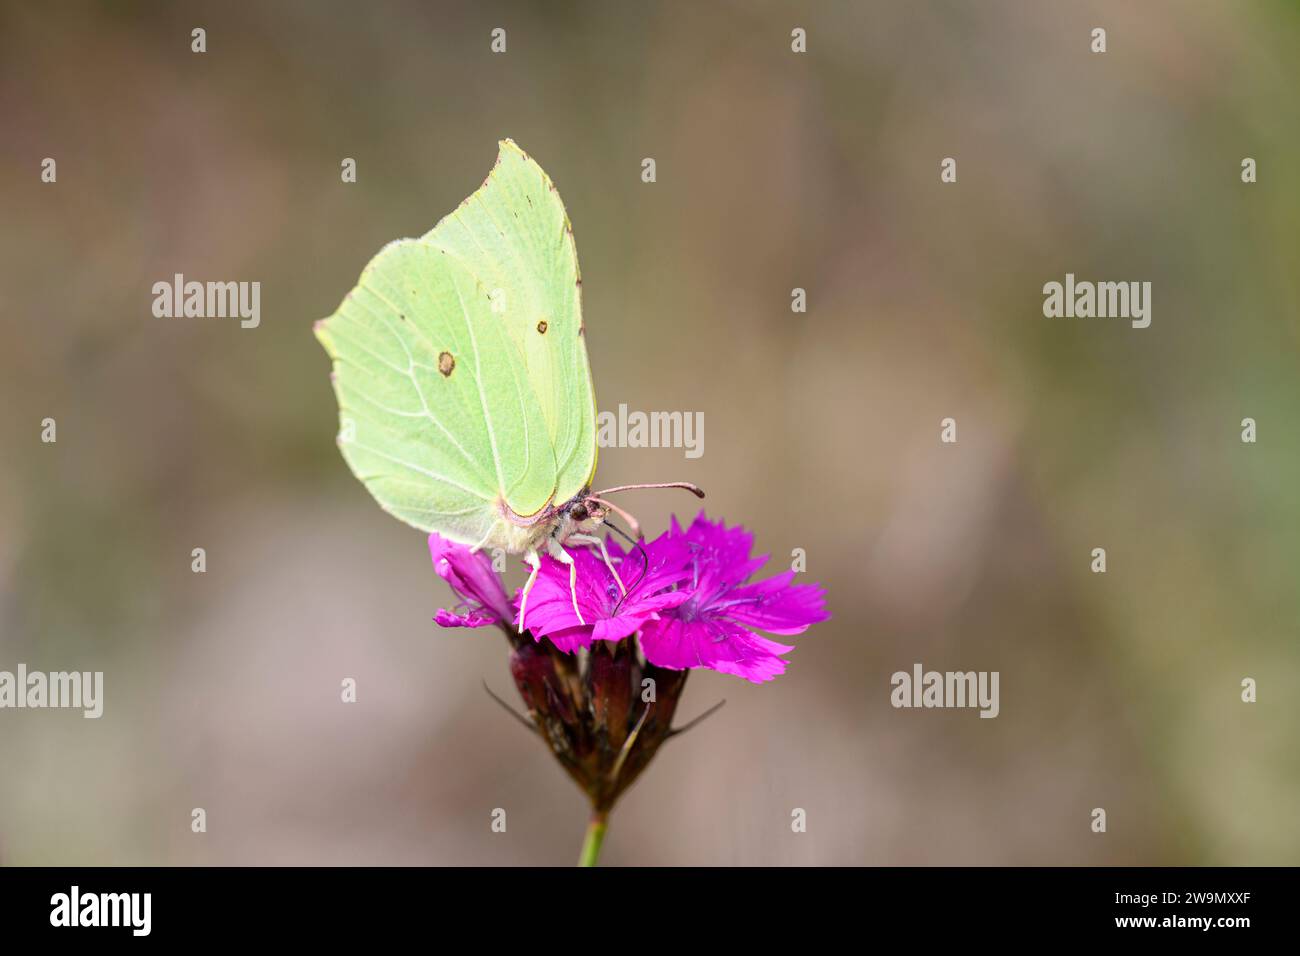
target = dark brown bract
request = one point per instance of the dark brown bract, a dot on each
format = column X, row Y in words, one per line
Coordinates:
column 604, row 715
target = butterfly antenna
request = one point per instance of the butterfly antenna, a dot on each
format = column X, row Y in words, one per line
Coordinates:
column 696, row 490
column 645, row 562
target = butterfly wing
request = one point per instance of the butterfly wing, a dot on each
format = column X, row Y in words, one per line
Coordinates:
column 447, row 410
column 516, row 232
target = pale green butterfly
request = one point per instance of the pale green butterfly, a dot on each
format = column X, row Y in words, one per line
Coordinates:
column 465, row 398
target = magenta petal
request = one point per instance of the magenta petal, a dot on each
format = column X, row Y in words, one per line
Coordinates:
column 719, row 646
column 471, row 619
column 777, row 606
column 569, row 639
column 713, row 627
column 615, row 628
column 471, row 576
column 647, row 575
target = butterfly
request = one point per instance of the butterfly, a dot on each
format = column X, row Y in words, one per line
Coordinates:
column 466, row 404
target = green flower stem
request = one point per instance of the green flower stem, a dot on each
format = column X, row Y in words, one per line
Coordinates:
column 595, row 837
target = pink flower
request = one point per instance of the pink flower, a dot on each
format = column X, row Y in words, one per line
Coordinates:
column 714, row 627
column 483, row 599
column 689, row 595
column 607, row 613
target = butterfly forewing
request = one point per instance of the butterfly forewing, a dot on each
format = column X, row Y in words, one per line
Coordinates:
column 518, row 235
column 448, row 407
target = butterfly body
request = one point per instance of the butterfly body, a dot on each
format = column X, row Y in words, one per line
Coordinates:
column 518, row 534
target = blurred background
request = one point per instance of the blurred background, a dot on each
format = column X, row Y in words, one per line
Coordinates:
column 774, row 170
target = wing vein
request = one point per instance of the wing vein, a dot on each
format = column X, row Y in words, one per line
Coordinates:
column 409, row 373
column 411, row 466
column 478, row 382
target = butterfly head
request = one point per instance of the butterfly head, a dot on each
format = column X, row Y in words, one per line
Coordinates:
column 579, row 515
column 587, row 509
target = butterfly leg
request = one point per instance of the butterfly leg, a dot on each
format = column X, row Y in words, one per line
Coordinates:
column 557, row 551
column 536, row 563
column 604, row 553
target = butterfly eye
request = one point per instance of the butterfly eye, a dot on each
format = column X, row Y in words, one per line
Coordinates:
column 579, row 513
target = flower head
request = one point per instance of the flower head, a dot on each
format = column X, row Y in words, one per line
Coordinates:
column 714, row 627
column 689, row 594
column 647, row 574
column 483, row 599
